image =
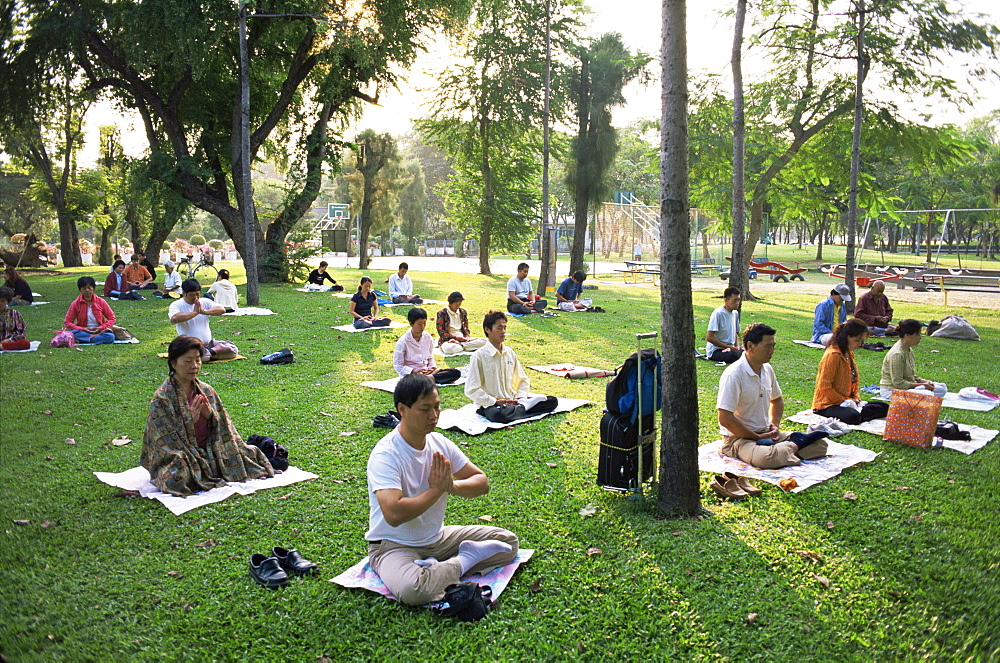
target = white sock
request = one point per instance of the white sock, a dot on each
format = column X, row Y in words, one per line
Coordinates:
column 471, row 553
column 426, row 563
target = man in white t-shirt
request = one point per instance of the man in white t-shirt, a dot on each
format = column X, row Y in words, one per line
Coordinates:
column 411, row 473
column 171, row 282
column 401, row 287
column 190, row 315
column 520, row 298
column 723, row 336
column 750, row 407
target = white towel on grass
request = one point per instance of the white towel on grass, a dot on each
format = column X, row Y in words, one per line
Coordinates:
column 350, row 329
column 468, row 421
column 811, row 344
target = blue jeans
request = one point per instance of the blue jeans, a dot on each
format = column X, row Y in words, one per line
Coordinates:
column 97, row 339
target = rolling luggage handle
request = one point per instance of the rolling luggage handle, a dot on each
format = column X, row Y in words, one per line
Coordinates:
column 640, row 438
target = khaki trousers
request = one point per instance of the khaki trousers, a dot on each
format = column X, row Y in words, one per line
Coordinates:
column 417, row 585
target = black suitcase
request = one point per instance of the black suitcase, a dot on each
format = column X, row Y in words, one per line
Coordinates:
column 618, row 459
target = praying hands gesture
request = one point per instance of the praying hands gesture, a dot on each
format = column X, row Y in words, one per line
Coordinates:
column 199, row 408
column 441, row 477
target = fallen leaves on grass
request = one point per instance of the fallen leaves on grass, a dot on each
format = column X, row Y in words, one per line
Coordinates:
column 552, row 464
column 285, row 496
column 594, row 551
column 588, row 511
column 751, row 618
column 535, row 587
column 22, row 522
column 207, row 543
column 809, row 555
column 829, row 524
column 46, row 411
column 346, row 433
column 488, row 519
column 788, row 484
column 121, row 441
column 823, row 580
column 89, row 388
column 850, row 496
column 174, row 574
column 70, row 440
column 46, row 523
column 326, row 414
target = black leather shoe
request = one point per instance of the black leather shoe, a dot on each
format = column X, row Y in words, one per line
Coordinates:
column 293, row 561
column 267, row 571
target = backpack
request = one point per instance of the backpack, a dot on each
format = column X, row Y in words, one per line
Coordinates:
column 276, row 454
column 467, row 601
column 280, row 357
column 620, row 394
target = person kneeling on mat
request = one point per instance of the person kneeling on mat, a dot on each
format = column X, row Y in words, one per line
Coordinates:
column 497, row 383
column 750, row 407
column 414, row 351
column 411, row 473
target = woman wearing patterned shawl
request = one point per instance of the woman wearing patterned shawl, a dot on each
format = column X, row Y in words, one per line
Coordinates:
column 190, row 444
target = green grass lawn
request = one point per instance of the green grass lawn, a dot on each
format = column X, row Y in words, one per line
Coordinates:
column 912, row 563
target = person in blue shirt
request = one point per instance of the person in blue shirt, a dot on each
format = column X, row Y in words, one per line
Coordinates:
column 829, row 313
column 569, row 291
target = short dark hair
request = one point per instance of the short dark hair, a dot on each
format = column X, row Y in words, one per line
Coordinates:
column 579, row 276
column 455, row 297
column 190, row 285
column 135, row 256
column 730, row 291
column 491, row 319
column 323, row 263
column 180, row 346
column 362, row 282
column 411, row 388
column 523, row 265
column 85, row 280
column 908, row 327
column 414, row 314
column 850, row 329
column 118, row 262
column 6, row 293
column 756, row 332
column 223, row 274
column 403, row 265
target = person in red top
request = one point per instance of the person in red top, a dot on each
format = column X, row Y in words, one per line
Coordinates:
column 875, row 311
column 89, row 317
column 12, row 326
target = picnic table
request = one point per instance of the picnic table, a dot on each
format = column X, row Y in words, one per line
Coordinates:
column 640, row 272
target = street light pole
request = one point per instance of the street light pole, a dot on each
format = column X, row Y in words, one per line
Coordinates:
column 246, row 192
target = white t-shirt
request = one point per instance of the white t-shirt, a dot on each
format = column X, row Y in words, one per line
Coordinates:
column 518, row 287
column 196, row 326
column 225, row 294
column 171, row 280
column 395, row 464
column 747, row 395
column 726, row 325
column 400, row 286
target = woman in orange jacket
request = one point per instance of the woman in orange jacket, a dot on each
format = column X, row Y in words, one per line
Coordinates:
column 836, row 394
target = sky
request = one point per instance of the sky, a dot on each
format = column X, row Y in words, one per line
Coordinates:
column 638, row 21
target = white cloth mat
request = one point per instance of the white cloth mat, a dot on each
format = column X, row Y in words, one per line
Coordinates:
column 426, row 302
column 349, row 328
column 36, row 304
column 953, row 400
column 130, row 341
column 466, row 420
column 138, row 479
column 390, row 384
column 251, row 310
column 322, row 288
column 34, row 346
column 809, row 473
column 572, row 371
column 811, row 344
column 439, row 353
column 980, row 436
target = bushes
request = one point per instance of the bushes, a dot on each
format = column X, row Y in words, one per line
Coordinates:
column 197, row 240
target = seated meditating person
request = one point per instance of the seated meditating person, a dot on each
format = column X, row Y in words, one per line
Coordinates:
column 115, row 283
column 569, row 292
column 20, row 287
column 750, row 407
column 874, row 310
column 836, row 394
column 190, row 314
column 520, row 298
column 138, row 277
column 364, row 307
column 412, row 471
column 829, row 313
column 189, row 443
column 171, row 282
column 723, row 335
column 414, row 351
column 223, row 292
column 12, row 328
column 401, row 287
column 89, row 317
column 496, row 381
column 899, row 369
column 319, row 275
column 453, row 328
column 145, row 262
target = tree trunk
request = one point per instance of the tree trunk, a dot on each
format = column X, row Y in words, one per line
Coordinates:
column 105, row 255
column 484, row 246
column 579, row 233
column 738, row 271
column 930, row 222
column 819, row 235
column 366, row 222
column 678, row 493
column 852, row 206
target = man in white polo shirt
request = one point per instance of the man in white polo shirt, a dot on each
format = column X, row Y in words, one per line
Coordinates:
column 750, row 407
column 520, row 298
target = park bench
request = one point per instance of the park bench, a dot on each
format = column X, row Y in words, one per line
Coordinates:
column 700, row 265
column 640, row 272
column 986, row 284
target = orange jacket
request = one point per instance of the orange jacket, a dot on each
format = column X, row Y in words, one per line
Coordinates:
column 136, row 274
column 836, row 379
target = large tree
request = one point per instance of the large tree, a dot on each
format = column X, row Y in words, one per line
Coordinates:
column 605, row 67
column 176, row 64
column 487, row 119
column 376, row 179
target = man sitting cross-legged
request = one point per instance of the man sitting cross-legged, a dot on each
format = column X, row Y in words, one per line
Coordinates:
column 723, row 335
column 453, row 328
column 401, row 287
column 190, row 315
column 497, row 383
column 411, row 473
column 750, row 408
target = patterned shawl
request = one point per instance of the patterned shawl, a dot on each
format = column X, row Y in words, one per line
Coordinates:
column 171, row 454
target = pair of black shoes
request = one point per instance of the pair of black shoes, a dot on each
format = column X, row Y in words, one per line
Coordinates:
column 273, row 571
column 595, row 309
column 877, row 347
column 388, row 420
